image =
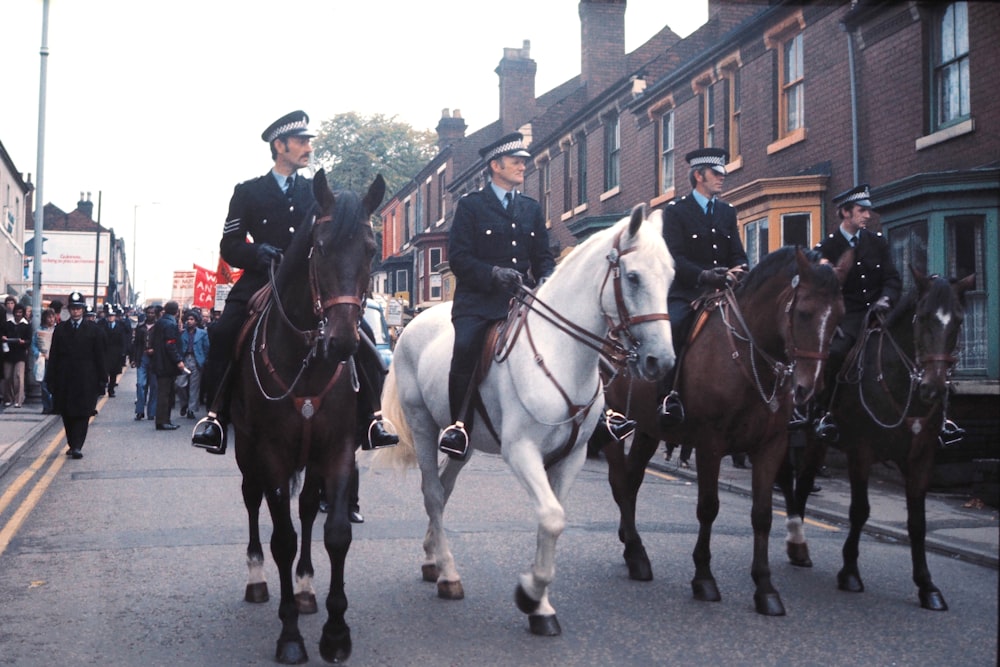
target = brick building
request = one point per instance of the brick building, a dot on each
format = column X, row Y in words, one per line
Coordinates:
column 808, row 98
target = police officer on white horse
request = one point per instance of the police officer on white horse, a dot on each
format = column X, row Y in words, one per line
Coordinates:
column 269, row 209
column 497, row 241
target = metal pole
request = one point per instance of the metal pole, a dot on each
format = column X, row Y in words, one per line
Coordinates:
column 36, row 282
column 97, row 255
column 132, row 283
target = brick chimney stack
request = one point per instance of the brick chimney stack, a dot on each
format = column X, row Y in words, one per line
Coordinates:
column 450, row 129
column 602, row 43
column 517, row 87
column 85, row 206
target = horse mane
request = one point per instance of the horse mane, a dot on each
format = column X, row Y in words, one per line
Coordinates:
column 938, row 292
column 603, row 236
column 781, row 262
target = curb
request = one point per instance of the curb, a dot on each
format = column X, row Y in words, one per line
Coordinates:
column 872, row 528
column 37, row 432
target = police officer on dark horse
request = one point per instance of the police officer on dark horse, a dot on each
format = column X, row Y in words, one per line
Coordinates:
column 267, row 211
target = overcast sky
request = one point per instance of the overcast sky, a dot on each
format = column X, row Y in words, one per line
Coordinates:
column 159, row 104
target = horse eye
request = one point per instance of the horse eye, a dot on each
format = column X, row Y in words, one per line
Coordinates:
column 633, row 278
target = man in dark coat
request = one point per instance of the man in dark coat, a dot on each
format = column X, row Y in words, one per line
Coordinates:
column 496, row 237
column 268, row 210
column 76, row 373
column 142, row 362
column 702, row 235
column 118, row 338
column 167, row 363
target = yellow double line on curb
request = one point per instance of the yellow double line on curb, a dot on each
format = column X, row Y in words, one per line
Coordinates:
column 10, row 529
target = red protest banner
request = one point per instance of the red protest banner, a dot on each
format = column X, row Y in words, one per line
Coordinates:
column 204, row 288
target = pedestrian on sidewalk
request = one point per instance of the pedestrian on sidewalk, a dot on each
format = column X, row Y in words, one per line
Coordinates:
column 16, row 338
column 194, row 350
column 142, row 362
column 76, row 373
column 41, row 343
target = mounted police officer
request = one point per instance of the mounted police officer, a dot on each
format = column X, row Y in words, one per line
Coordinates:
column 497, row 236
column 266, row 211
column 702, row 235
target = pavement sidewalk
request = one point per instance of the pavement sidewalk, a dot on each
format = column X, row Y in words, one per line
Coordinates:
column 957, row 525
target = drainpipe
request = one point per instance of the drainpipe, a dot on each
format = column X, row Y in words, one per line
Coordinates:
column 854, row 107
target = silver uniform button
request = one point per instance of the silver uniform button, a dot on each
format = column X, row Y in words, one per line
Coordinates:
column 513, row 242
column 514, row 260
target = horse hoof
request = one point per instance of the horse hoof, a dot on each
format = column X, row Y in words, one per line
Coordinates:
column 257, row 593
column 850, row 582
column 768, row 604
column 291, row 652
column 450, row 590
column 525, row 603
column 429, row 572
column 639, row 568
column 705, row 590
column 306, row 603
column 798, row 554
column 337, row 648
column 933, row 600
column 544, row 626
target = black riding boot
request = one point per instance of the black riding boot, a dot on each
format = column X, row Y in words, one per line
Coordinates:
column 671, row 410
column 454, row 440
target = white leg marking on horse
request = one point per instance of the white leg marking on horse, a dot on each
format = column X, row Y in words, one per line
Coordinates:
column 256, row 570
column 943, row 316
column 796, row 530
column 304, row 584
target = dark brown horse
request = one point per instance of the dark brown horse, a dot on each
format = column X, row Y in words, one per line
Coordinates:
column 293, row 407
column 890, row 407
column 760, row 349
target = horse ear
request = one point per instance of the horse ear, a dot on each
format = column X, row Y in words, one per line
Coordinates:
column 921, row 279
column 322, row 191
column 376, row 191
column 844, row 265
column 802, row 261
column 965, row 284
column 638, row 215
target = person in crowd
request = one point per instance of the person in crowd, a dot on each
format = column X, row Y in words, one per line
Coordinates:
column 498, row 234
column 16, row 338
column 194, row 351
column 117, row 337
column 57, row 307
column 269, row 209
column 167, row 363
column 41, row 343
column 142, row 362
column 76, row 373
column 8, row 306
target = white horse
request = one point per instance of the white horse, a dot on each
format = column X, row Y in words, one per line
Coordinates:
column 544, row 398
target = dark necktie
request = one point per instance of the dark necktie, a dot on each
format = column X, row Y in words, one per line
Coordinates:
column 508, row 199
column 710, row 207
column 289, row 186
column 854, row 241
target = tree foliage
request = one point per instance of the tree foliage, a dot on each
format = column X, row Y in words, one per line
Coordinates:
column 354, row 148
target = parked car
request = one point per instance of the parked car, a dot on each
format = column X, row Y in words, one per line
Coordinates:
column 375, row 317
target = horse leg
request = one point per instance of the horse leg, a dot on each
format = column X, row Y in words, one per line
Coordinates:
column 774, row 452
column 439, row 563
column 545, row 491
column 917, row 474
column 256, row 590
column 305, row 594
column 806, row 458
column 335, row 644
column 703, row 585
column 626, row 477
column 859, row 462
column 290, row 649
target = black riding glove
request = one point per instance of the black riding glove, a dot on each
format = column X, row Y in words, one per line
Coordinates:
column 507, row 279
column 265, row 253
column 713, row 277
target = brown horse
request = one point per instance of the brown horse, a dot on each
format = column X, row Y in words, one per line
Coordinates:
column 293, row 407
column 760, row 348
column 890, row 407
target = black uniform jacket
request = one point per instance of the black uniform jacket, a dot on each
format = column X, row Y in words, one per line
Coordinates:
column 483, row 235
column 117, row 341
column 76, row 373
column 873, row 274
column 259, row 208
column 698, row 243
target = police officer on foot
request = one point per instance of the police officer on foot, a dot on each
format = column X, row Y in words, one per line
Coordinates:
column 268, row 210
column 702, row 235
column 497, row 236
column 76, row 373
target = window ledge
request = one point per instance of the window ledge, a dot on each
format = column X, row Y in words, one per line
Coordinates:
column 957, row 130
column 580, row 209
column 566, row 216
column 665, row 197
column 790, row 139
column 736, row 164
column 610, row 193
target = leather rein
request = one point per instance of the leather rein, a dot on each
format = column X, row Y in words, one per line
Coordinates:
column 610, row 345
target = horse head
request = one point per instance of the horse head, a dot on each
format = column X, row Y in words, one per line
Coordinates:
column 937, row 321
column 340, row 259
column 641, row 270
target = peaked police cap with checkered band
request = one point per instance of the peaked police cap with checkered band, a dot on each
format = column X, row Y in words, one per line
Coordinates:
column 295, row 124
column 708, row 157
column 509, row 144
column 857, row 195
